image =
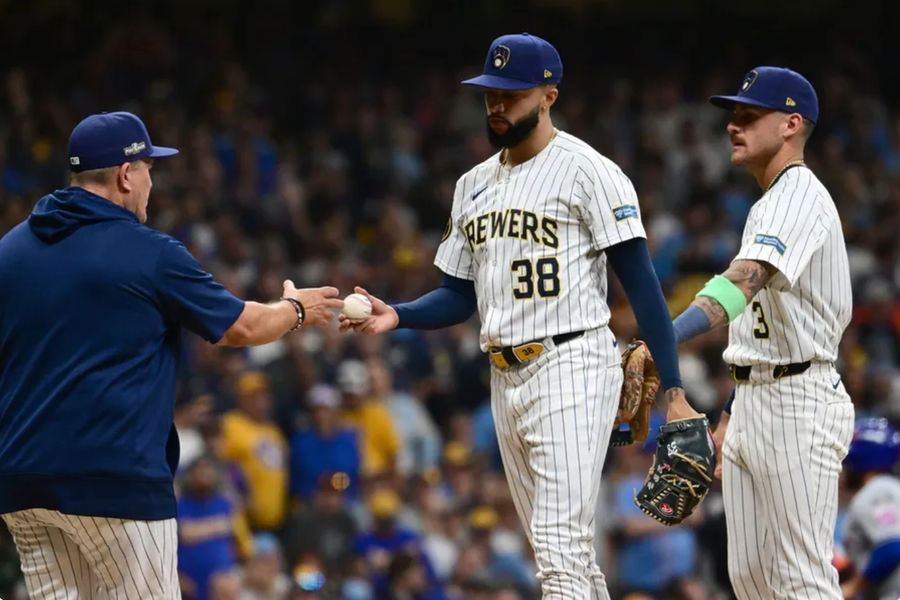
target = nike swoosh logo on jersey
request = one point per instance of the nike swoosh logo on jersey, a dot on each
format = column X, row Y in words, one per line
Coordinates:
column 478, row 193
column 836, row 383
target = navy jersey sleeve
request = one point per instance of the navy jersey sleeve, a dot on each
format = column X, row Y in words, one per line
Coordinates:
column 191, row 297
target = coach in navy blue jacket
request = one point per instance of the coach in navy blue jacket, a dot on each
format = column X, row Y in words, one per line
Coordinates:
column 92, row 304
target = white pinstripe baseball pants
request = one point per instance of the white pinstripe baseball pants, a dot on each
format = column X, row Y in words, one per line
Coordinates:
column 781, row 461
column 65, row 557
column 553, row 418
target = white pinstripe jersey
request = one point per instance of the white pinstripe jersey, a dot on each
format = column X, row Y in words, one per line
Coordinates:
column 531, row 238
column 803, row 310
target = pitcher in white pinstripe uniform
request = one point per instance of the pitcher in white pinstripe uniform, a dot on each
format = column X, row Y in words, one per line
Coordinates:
column 527, row 241
column 787, row 296
column 93, row 306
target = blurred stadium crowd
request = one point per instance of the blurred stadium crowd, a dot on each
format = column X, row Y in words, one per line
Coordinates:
column 329, row 466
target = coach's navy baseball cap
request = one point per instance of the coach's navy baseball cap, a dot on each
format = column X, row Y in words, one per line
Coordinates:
column 519, row 61
column 110, row 139
column 776, row 88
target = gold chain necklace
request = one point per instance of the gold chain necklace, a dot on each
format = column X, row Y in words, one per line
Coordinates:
column 793, row 163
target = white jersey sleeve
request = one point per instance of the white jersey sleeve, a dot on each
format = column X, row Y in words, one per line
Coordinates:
column 802, row 311
column 454, row 255
column 786, row 227
column 608, row 203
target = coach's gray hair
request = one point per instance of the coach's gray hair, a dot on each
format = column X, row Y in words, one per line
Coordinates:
column 95, row 176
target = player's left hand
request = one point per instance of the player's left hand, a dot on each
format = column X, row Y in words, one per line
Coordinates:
column 384, row 318
column 678, row 407
column 682, row 471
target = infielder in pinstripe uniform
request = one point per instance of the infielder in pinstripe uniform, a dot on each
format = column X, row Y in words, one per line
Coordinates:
column 92, row 306
column 527, row 242
column 787, row 296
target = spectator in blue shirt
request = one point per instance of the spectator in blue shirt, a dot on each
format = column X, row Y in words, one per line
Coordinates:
column 378, row 546
column 325, row 447
column 207, row 522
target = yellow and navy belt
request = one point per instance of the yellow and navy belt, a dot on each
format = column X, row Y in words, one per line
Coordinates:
column 742, row 373
column 507, row 356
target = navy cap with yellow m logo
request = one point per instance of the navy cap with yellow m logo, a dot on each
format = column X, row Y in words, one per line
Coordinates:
column 519, row 61
column 776, row 88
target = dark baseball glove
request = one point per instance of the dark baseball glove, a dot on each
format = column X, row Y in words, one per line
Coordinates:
column 682, row 471
column 639, row 390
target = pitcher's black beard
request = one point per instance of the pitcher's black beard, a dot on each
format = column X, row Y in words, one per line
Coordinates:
column 516, row 133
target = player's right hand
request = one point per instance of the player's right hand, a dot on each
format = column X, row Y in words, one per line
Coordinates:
column 383, row 318
column 719, row 439
column 316, row 302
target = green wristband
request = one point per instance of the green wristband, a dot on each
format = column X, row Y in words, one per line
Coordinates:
column 727, row 294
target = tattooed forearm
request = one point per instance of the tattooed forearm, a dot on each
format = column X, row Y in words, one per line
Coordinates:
column 749, row 275
column 715, row 312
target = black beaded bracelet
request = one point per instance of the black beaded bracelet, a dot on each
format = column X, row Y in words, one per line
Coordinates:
column 301, row 313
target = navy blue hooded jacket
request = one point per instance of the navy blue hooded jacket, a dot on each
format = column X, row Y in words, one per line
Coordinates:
column 92, row 304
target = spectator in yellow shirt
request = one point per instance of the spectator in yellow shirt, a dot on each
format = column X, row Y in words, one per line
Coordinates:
column 378, row 437
column 252, row 440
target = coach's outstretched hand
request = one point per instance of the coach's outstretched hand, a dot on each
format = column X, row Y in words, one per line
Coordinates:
column 316, row 302
column 384, row 318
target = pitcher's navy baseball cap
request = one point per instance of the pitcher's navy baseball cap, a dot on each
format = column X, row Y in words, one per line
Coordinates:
column 519, row 61
column 776, row 88
column 110, row 139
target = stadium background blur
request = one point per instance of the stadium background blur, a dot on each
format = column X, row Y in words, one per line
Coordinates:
column 321, row 142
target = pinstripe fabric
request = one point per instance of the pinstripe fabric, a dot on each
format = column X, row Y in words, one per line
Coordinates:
column 787, row 437
column 807, row 305
column 553, row 414
column 782, row 458
column 68, row 556
column 553, row 418
column 567, row 183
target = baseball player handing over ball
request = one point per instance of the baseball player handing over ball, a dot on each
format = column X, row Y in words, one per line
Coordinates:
column 787, row 297
column 526, row 244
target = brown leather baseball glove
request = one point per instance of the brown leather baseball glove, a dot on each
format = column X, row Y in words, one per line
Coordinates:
column 639, row 390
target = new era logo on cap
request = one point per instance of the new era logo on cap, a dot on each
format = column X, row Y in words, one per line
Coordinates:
column 519, row 62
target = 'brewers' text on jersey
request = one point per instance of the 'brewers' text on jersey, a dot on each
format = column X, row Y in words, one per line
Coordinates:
column 531, row 238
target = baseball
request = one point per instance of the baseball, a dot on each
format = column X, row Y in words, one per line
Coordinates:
column 357, row 307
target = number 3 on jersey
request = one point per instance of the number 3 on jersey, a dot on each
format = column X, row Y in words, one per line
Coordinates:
column 761, row 331
column 547, row 277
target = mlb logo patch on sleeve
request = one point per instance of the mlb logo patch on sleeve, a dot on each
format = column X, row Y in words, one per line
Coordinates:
column 771, row 240
column 626, row 211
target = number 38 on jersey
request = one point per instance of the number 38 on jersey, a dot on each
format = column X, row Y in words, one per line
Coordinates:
column 539, row 276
